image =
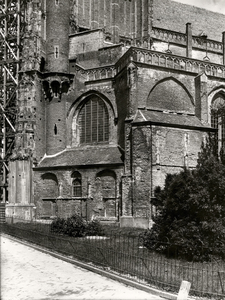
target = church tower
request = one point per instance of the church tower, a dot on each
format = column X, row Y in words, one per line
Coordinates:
column 56, row 79
column 43, row 79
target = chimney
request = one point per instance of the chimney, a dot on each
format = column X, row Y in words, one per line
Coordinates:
column 189, row 40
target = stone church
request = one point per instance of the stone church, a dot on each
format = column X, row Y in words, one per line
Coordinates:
column 113, row 95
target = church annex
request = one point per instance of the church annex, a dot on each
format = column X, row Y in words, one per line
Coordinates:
column 112, row 96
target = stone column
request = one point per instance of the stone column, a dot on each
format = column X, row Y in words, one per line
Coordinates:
column 189, row 40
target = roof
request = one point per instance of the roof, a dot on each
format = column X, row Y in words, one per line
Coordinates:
column 172, row 15
column 169, row 119
column 84, row 156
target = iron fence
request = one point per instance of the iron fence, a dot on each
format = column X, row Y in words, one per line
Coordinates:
column 126, row 255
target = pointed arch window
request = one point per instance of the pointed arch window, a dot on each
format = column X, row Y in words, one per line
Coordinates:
column 94, row 121
column 76, row 185
column 218, row 119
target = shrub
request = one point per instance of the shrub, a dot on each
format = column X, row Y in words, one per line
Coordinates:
column 58, row 225
column 76, row 226
column 94, row 227
column 73, row 226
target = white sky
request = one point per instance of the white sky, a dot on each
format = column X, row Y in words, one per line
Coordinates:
column 213, row 5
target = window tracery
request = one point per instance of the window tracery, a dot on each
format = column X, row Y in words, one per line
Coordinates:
column 94, row 122
column 218, row 118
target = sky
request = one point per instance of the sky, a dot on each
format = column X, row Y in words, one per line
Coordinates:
column 213, row 5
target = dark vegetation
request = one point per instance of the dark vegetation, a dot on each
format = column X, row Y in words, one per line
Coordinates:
column 190, row 210
column 76, row 226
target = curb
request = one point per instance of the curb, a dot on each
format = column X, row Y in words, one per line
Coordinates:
column 99, row 271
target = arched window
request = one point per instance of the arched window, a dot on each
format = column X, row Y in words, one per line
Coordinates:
column 76, row 184
column 94, row 121
column 218, row 118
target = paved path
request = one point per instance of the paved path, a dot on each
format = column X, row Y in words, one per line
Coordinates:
column 28, row 274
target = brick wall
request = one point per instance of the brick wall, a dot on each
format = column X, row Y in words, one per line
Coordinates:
column 56, row 125
column 166, row 14
column 54, row 193
column 169, row 148
column 157, row 151
column 84, row 47
column 99, row 14
column 40, row 140
column 141, row 170
column 57, row 35
column 147, row 83
column 170, row 95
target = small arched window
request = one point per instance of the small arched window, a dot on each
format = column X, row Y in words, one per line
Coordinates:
column 76, row 184
column 94, row 121
column 218, row 118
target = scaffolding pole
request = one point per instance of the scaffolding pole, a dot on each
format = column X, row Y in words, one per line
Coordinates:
column 12, row 21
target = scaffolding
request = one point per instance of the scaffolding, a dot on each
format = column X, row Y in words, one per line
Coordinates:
column 12, row 25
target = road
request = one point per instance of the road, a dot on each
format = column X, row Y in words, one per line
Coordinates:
column 28, row 274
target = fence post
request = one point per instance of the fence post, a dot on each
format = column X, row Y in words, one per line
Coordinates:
column 184, row 290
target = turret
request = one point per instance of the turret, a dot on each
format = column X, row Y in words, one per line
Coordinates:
column 56, row 79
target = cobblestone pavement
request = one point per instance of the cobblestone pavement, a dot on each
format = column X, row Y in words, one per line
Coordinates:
column 28, row 274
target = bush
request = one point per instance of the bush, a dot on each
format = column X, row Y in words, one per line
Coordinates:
column 58, row 225
column 94, row 228
column 73, row 226
column 76, row 226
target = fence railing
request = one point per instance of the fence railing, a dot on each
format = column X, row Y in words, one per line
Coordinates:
column 126, row 255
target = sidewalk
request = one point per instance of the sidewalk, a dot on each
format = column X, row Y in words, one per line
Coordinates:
column 28, row 274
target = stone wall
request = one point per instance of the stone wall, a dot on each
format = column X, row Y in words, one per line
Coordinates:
column 54, row 194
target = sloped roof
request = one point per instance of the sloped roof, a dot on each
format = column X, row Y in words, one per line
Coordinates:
column 173, row 15
column 84, row 156
column 167, row 118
